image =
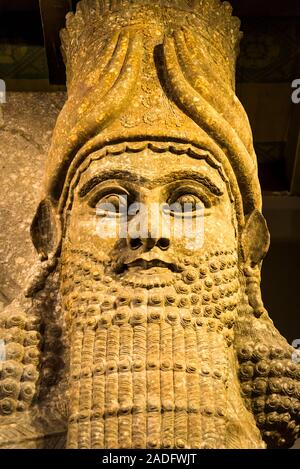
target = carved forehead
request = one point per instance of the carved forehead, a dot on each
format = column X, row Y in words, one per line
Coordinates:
column 147, row 167
column 146, row 158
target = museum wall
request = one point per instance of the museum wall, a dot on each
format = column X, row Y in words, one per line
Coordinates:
column 26, row 124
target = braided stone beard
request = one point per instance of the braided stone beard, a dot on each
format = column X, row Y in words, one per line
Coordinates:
column 150, row 358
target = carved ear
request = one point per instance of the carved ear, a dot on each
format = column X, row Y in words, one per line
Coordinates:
column 255, row 239
column 45, row 230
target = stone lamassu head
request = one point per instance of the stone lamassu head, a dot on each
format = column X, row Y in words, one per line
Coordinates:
column 167, row 342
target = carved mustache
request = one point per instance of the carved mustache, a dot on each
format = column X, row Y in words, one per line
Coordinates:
column 150, row 264
column 147, row 261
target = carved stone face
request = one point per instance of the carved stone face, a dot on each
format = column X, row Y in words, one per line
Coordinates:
column 167, row 341
column 144, row 246
column 140, row 308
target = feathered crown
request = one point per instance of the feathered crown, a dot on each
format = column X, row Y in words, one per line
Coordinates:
column 101, row 18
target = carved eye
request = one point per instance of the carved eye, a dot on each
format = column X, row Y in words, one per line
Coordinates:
column 189, row 201
column 185, row 205
column 112, row 205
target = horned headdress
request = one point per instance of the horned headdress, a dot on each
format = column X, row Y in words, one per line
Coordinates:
column 153, row 71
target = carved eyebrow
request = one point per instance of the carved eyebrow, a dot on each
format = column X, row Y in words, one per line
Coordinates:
column 111, row 175
column 193, row 176
column 141, row 180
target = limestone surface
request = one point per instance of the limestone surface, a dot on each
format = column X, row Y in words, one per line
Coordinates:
column 141, row 324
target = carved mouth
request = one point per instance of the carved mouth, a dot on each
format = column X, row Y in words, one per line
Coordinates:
column 141, row 264
column 153, row 266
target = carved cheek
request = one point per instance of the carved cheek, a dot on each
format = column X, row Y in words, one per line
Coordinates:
column 86, row 226
column 216, row 231
column 219, row 227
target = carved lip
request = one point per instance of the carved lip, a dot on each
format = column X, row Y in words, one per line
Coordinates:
column 155, row 265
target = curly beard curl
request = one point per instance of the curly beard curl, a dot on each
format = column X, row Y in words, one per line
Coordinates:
column 270, row 378
column 150, row 364
column 33, row 368
column 36, row 366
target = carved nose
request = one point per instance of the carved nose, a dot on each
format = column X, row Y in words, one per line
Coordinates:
column 153, row 232
column 149, row 243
